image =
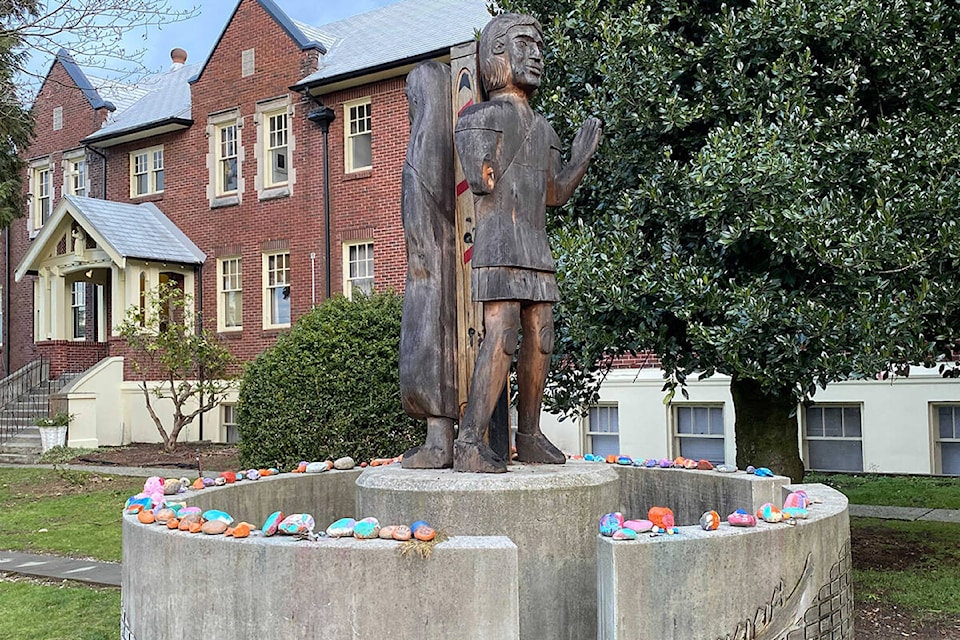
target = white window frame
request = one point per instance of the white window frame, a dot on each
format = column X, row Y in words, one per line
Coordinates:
column 231, row 434
column 151, row 168
column 807, row 438
column 276, row 277
column 598, row 426
column 678, row 407
column 42, row 193
column 229, row 281
column 217, row 124
column 270, row 140
column 355, row 125
column 352, row 276
column 938, row 438
column 78, row 310
column 76, row 178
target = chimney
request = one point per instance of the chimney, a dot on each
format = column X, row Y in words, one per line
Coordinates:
column 178, row 56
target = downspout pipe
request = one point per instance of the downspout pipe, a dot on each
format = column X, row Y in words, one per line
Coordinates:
column 199, row 330
column 323, row 116
column 103, row 177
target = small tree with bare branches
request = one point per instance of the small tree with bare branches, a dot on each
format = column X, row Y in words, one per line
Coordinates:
column 175, row 361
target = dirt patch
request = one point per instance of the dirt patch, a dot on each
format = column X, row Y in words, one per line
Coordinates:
column 882, row 621
column 67, row 483
column 213, row 457
column 884, row 551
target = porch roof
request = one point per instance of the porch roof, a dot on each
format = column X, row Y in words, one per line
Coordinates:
column 122, row 230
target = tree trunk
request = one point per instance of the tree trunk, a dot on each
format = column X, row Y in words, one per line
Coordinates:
column 766, row 428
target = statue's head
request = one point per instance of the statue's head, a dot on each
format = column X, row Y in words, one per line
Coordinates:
column 511, row 48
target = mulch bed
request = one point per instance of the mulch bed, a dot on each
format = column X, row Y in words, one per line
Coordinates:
column 213, row 457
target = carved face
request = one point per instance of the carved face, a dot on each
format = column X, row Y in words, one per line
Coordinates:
column 525, row 51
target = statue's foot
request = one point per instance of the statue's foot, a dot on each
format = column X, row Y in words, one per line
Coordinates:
column 476, row 457
column 536, row 448
column 427, row 457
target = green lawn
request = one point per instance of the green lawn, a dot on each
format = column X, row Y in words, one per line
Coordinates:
column 898, row 491
column 30, row 611
column 63, row 512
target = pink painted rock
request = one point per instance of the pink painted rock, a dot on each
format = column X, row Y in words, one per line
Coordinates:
column 611, row 522
column 797, row 500
column 710, row 521
column 624, row 534
column 741, row 518
column 386, row 533
column 639, row 526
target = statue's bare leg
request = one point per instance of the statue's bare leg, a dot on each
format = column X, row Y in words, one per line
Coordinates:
column 437, row 450
column 532, row 368
column 471, row 451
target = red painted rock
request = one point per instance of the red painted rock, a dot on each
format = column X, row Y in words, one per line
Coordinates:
column 704, row 465
column 741, row 518
column 425, row 533
column 661, row 517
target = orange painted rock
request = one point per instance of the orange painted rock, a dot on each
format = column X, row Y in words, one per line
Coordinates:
column 425, row 534
column 188, row 521
column 242, row 530
column 197, row 484
column 134, row 509
column 611, row 459
column 689, row 464
column 146, row 516
column 661, row 517
column 165, row 514
column 173, row 523
column 678, row 461
column 710, row 521
column 195, row 527
column 402, row 533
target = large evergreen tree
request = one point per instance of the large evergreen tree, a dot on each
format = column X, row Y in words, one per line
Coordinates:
column 776, row 197
column 15, row 121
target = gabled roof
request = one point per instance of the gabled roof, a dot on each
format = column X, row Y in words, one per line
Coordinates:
column 80, row 79
column 394, row 35
column 139, row 231
column 166, row 104
column 295, row 30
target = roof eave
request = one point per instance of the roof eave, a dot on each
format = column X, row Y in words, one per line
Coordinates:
column 138, row 133
column 394, row 65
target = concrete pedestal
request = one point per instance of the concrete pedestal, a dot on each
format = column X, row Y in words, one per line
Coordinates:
column 549, row 511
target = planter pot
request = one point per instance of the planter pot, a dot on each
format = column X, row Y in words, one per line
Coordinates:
column 51, row 437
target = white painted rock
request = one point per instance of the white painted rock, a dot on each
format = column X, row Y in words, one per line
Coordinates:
column 344, row 463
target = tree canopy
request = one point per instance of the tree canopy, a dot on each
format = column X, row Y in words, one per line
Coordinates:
column 776, row 195
column 15, row 122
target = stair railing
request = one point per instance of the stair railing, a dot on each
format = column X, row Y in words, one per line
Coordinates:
column 17, row 411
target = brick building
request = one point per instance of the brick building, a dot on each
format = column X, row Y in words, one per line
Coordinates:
column 212, row 175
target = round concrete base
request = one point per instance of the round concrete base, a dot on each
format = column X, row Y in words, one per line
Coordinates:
column 549, row 511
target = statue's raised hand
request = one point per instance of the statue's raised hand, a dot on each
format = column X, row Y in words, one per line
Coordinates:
column 586, row 141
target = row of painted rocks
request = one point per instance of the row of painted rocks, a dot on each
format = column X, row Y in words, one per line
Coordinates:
column 660, row 520
column 677, row 463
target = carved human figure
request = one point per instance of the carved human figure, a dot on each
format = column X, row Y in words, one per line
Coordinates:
column 428, row 341
column 511, row 159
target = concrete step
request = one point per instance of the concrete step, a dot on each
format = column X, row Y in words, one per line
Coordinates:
column 19, row 458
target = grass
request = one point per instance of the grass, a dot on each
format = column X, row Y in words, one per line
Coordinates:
column 930, row 492
column 32, row 611
column 68, row 513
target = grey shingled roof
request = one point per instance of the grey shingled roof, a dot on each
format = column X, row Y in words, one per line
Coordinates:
column 167, row 97
column 82, row 81
column 136, row 230
column 121, row 94
column 394, row 33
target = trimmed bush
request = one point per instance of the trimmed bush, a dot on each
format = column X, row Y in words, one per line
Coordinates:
column 328, row 388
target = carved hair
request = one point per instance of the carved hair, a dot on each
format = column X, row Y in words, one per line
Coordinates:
column 494, row 64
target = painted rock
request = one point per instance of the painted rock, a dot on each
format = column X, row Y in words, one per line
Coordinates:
column 624, row 534
column 424, row 533
column 219, row 481
column 416, row 525
column 639, row 462
column 171, row 486
column 197, row 484
column 272, row 522
column 273, row 471
column 315, row 467
column 143, row 502
column 342, row 528
column 639, row 526
column 344, row 463
column 253, row 474
column 229, row 477
column 690, row 464
column 173, row 523
column 704, row 465
column 216, row 514
column 797, row 500
column 402, row 533
column 740, row 519
column 750, row 468
column 665, row 464
column 386, row 532
column 679, row 461
column 146, row 516
column 795, row 512
column 265, row 473
column 297, row 524
column 710, row 521
column 184, row 482
column 242, row 530
column 611, row 522
column 209, row 482
column 661, row 517
column 302, row 467
column 188, row 521
column 186, row 511
column 727, row 468
column 769, row 512
column 651, row 462
column 763, row 472
column 195, row 527
column 213, row 527
column 589, row 457
column 165, row 514
column 625, row 460
column 366, row 529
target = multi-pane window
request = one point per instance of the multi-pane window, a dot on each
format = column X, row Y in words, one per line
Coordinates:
column 699, row 432
column 358, row 269
column 603, row 430
column 230, row 423
column 231, row 294
column 947, row 438
column 76, row 178
column 146, row 172
column 358, row 125
column 78, row 307
column 276, row 148
column 42, row 195
column 832, row 437
column 277, row 290
column 227, row 145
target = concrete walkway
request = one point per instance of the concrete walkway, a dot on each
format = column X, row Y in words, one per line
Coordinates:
column 904, row 513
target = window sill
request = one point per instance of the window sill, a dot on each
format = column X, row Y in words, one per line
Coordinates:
column 269, row 332
column 274, row 193
column 358, row 175
column 233, row 333
column 224, row 201
column 148, row 197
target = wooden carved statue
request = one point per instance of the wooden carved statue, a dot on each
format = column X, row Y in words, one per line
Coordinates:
column 511, row 159
column 428, row 341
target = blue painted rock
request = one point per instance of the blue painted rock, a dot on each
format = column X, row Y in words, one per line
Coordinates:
column 639, row 462
column 253, row 474
column 386, row 533
column 366, row 529
column 176, row 507
column 316, row 467
column 213, row 527
column 795, row 512
column 342, row 528
column 769, row 512
column 272, row 523
column 763, row 472
column 797, row 500
column 588, row 457
column 624, row 534
column 710, row 521
column 297, row 524
column 624, row 460
column 216, row 514
column 273, row 471
column 344, row 463
column 651, row 462
column 611, row 522
column 750, row 468
column 137, row 504
column 726, row 468
column 416, row 525
column 741, row 519
column 402, row 533
column 639, row 526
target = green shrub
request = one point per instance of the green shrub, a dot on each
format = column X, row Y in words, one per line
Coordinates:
column 328, row 388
